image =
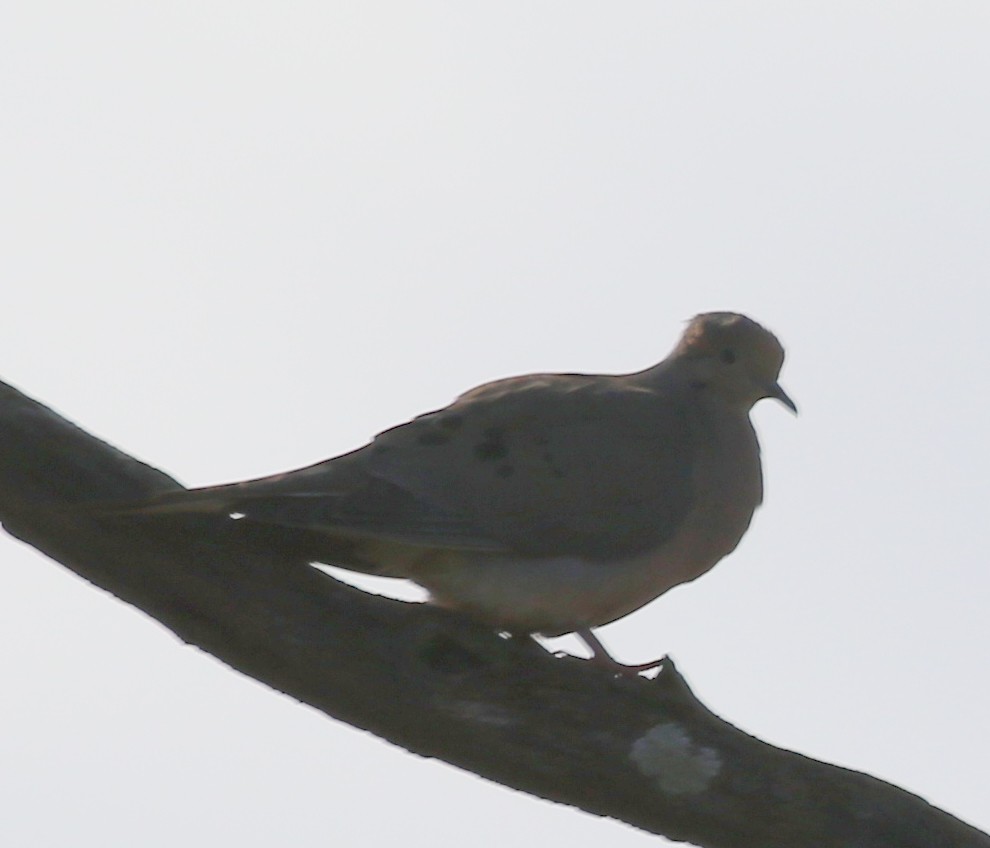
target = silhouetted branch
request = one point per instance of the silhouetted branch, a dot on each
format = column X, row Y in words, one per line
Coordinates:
column 646, row 752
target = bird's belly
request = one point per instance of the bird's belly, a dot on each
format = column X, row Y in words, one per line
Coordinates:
column 555, row 595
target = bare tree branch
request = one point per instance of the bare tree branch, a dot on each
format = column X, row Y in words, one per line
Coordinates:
column 646, row 752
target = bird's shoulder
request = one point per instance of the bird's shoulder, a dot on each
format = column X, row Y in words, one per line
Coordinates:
column 537, row 402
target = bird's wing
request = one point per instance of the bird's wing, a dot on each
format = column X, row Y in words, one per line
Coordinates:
column 557, row 465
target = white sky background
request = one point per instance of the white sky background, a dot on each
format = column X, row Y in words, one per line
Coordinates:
column 241, row 237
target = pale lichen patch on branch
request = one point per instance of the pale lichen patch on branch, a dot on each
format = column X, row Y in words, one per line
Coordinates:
column 677, row 765
column 479, row 712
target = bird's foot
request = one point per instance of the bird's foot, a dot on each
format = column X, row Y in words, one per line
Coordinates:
column 601, row 658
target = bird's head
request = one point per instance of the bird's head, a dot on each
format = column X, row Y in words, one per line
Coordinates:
column 734, row 357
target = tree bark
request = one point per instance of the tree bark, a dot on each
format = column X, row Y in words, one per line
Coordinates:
column 643, row 751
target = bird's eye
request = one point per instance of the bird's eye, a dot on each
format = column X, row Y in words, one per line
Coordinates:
column 728, row 356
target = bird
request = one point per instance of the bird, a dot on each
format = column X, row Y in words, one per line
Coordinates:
column 543, row 504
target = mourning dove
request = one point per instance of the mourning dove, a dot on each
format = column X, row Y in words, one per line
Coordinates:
column 549, row 503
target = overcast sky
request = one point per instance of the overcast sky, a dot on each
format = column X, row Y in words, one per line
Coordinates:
column 240, row 237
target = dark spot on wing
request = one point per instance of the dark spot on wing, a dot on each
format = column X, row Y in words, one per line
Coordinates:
column 492, row 445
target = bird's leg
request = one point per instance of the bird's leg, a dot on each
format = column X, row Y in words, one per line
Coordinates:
column 602, row 658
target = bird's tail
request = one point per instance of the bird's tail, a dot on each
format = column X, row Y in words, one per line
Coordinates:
column 210, row 500
column 267, row 525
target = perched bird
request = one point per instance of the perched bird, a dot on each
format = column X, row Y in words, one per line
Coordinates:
column 549, row 503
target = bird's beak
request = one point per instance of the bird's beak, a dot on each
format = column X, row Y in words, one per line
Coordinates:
column 776, row 392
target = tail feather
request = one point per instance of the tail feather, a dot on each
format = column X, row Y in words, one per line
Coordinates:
column 190, row 500
column 212, row 500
